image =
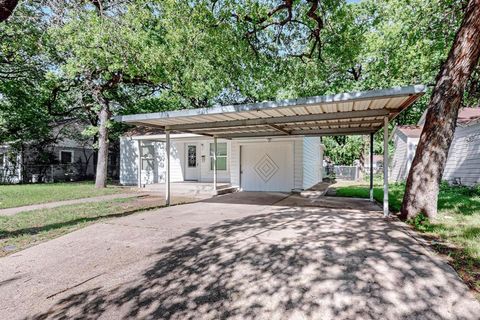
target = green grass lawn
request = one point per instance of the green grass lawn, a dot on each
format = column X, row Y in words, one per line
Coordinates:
column 456, row 231
column 26, row 194
column 26, row 229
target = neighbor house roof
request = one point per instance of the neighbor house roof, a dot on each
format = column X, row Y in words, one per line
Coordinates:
column 346, row 113
column 143, row 131
column 467, row 115
column 410, row 131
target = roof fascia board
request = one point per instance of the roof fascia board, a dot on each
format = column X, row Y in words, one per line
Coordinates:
column 290, row 127
column 335, row 131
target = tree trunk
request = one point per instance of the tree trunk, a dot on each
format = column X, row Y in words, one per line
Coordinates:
column 6, row 8
column 421, row 193
column 104, row 116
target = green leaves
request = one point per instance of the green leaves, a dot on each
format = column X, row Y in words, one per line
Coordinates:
column 169, row 54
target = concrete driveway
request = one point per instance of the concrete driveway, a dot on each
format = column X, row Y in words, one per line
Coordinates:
column 239, row 256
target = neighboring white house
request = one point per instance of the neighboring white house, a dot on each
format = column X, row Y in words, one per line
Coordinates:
column 69, row 156
column 463, row 163
column 252, row 164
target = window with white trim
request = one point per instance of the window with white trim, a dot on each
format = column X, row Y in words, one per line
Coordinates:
column 66, row 156
column 148, row 156
column 222, row 156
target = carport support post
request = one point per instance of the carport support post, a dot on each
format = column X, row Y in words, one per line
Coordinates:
column 215, row 164
column 167, row 168
column 371, row 166
column 385, row 167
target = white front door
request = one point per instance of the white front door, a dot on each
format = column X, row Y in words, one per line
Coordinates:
column 191, row 161
column 267, row 166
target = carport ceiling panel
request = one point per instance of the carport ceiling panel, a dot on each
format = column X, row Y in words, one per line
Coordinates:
column 361, row 105
column 328, row 108
column 314, row 109
column 379, row 103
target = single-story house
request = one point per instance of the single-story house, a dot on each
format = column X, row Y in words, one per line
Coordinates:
column 266, row 146
column 267, row 164
column 66, row 156
column 463, row 162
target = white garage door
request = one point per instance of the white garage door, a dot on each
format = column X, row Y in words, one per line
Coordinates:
column 267, row 166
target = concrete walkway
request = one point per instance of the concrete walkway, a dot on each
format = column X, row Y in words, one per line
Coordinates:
column 49, row 205
column 239, row 256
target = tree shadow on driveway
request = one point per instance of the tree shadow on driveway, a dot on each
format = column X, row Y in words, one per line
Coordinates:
column 285, row 263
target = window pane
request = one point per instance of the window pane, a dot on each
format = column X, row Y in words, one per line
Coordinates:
column 221, row 163
column 65, row 157
column 221, row 156
column 147, row 164
column 148, row 151
column 221, row 149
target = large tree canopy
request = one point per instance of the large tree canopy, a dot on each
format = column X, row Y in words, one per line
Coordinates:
column 94, row 59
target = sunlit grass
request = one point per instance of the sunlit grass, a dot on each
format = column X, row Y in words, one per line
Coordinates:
column 26, row 194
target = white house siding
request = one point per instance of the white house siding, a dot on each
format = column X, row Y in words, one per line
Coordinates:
column 9, row 173
column 177, row 161
column 129, row 161
column 307, row 160
column 463, row 163
column 312, row 162
column 298, row 164
column 235, row 163
column 400, row 158
column 411, row 149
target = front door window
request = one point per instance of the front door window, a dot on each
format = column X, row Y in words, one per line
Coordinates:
column 192, row 156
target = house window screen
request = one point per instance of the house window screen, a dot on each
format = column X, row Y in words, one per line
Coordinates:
column 148, row 157
column 147, row 164
column 66, row 157
column 148, row 151
column 221, row 156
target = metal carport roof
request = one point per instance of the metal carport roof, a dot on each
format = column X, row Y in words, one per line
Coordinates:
column 346, row 113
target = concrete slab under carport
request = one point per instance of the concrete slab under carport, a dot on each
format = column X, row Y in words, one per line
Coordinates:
column 195, row 189
column 238, row 256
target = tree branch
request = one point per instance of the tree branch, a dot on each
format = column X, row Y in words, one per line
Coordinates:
column 6, row 8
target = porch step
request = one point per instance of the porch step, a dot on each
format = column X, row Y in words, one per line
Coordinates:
column 192, row 189
column 227, row 190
